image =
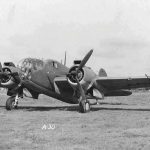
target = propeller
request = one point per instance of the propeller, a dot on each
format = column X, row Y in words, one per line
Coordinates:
column 82, row 64
column 16, row 77
column 4, row 76
column 84, row 60
column 74, row 74
column 1, row 70
column 19, row 87
column 81, row 89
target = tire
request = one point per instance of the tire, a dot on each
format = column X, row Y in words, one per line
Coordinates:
column 10, row 103
column 84, row 106
column 87, row 107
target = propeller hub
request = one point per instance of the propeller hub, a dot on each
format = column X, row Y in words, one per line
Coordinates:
column 74, row 74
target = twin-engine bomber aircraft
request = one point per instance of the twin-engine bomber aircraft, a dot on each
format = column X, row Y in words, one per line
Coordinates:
column 75, row 85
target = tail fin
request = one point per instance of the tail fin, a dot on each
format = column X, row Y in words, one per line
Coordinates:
column 102, row 73
column 65, row 59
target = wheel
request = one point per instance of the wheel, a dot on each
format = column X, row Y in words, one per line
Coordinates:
column 87, row 106
column 84, row 106
column 10, row 103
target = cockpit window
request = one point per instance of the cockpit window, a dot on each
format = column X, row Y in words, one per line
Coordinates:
column 30, row 63
column 52, row 64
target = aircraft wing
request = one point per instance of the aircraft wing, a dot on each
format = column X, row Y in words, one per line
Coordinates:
column 111, row 83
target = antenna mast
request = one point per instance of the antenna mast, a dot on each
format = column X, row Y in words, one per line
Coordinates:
column 65, row 59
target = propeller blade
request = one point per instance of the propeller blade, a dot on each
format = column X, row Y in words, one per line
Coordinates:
column 15, row 75
column 85, row 59
column 1, row 70
column 81, row 90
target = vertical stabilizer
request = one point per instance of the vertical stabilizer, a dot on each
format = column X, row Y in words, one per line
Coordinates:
column 102, row 73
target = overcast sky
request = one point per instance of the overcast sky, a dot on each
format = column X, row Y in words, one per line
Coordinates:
column 117, row 30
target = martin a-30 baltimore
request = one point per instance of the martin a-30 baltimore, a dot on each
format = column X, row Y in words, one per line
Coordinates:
column 74, row 85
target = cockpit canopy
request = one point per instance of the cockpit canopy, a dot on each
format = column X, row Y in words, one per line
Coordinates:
column 30, row 64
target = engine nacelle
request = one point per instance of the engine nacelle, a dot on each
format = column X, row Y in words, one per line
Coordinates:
column 7, row 81
column 9, row 64
column 85, row 77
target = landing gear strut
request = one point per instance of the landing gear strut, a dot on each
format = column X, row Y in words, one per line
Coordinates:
column 84, row 106
column 12, row 102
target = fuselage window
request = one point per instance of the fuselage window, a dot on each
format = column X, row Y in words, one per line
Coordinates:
column 55, row 65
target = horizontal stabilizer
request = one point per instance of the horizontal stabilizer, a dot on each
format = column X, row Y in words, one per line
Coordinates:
column 102, row 73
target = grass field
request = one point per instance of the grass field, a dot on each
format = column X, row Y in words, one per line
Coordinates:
column 47, row 124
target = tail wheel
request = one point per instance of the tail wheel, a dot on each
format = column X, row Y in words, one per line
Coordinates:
column 84, row 106
column 10, row 103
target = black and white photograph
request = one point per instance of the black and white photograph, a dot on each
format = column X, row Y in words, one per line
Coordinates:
column 74, row 75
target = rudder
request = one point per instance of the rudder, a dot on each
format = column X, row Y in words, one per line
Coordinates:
column 102, row 73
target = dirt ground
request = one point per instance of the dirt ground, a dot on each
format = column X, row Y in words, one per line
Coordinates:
column 46, row 124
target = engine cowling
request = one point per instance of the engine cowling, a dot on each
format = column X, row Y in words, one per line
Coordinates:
column 7, row 80
column 84, row 75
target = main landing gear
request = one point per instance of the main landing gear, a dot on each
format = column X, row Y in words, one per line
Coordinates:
column 84, row 106
column 12, row 102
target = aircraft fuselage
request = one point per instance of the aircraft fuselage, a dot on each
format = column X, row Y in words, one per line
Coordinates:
column 41, row 75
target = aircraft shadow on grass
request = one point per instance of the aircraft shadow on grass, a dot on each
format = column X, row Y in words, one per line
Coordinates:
column 75, row 108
